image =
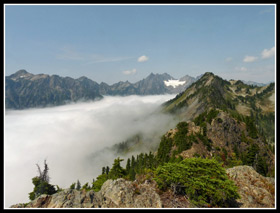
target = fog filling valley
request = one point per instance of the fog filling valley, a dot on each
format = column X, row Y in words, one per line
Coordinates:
column 73, row 139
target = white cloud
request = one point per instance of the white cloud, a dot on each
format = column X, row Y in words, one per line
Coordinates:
column 70, row 136
column 268, row 53
column 143, row 58
column 250, row 58
column 129, row 72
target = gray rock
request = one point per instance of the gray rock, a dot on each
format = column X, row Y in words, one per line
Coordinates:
column 256, row 191
column 113, row 194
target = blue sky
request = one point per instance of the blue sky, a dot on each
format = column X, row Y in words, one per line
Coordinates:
column 111, row 43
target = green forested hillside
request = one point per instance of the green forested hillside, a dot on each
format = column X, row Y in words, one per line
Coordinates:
column 227, row 121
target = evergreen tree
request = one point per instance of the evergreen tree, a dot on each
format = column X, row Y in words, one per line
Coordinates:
column 164, row 150
column 117, row 171
column 78, row 185
column 250, row 157
column 127, row 168
column 132, row 174
column 73, row 186
column 107, row 170
column 103, row 170
column 41, row 183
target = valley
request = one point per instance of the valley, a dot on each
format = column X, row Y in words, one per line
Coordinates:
column 229, row 122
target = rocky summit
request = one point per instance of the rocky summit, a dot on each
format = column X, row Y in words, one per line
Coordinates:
column 256, row 191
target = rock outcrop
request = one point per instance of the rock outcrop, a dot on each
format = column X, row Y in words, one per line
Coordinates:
column 256, row 191
column 113, row 194
column 126, row 194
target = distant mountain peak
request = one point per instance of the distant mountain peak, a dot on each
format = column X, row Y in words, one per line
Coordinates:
column 207, row 75
column 21, row 74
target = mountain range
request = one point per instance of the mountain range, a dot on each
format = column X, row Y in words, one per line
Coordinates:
column 25, row 90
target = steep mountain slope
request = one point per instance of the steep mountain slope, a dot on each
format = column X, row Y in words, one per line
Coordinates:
column 25, row 90
column 234, row 97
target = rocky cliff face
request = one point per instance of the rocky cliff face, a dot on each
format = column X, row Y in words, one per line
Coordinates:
column 255, row 190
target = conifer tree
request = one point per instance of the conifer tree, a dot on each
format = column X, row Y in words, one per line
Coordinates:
column 117, row 171
column 107, row 170
column 78, row 185
column 127, row 168
column 41, row 183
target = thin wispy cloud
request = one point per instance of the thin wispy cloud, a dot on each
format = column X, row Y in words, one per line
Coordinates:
column 69, row 54
column 143, row 58
column 249, row 59
column 129, row 72
column 268, row 53
column 102, row 59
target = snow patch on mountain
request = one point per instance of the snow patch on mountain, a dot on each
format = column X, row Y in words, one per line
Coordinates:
column 174, row 83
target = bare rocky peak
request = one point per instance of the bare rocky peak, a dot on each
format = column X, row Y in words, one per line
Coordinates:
column 21, row 74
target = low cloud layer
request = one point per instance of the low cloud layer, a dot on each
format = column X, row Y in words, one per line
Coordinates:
column 68, row 136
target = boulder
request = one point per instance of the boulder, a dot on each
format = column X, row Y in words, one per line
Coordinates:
column 256, row 191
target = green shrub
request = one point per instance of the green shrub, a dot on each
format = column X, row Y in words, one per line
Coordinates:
column 41, row 187
column 96, row 185
column 205, row 181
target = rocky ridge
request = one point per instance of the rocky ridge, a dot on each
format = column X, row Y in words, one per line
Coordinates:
column 256, row 191
column 26, row 90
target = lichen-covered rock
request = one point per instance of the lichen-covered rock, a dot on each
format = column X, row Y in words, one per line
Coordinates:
column 127, row 194
column 256, row 191
column 68, row 198
column 113, row 194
